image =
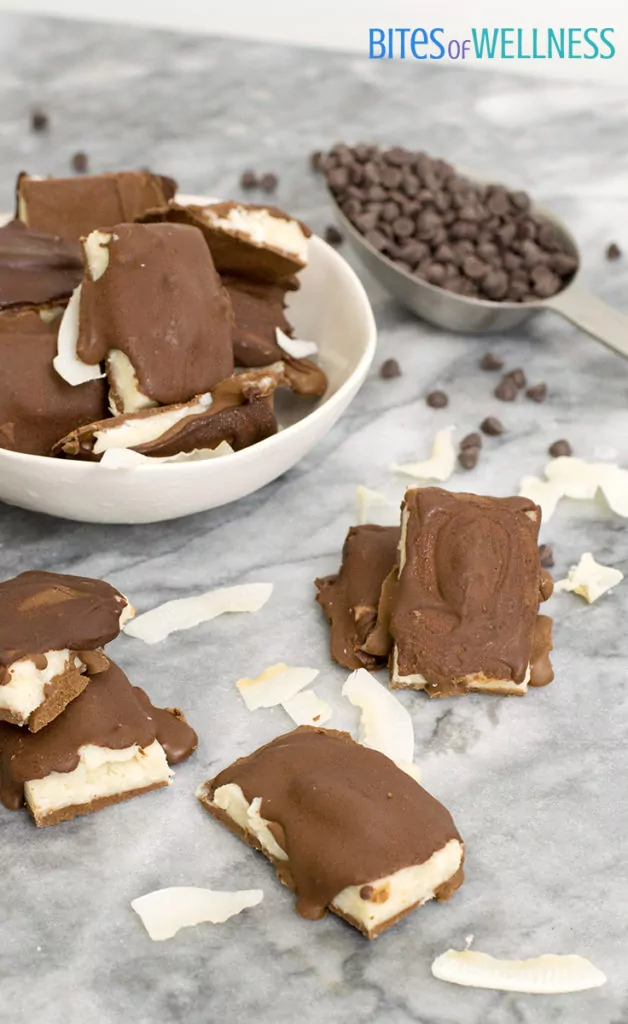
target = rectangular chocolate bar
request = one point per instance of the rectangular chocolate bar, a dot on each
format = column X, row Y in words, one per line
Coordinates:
column 346, row 829
column 470, row 582
column 351, row 597
column 109, row 745
column 36, row 269
column 72, row 207
column 52, row 627
column 37, row 406
column 153, row 308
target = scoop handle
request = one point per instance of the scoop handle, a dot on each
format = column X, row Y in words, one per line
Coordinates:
column 595, row 317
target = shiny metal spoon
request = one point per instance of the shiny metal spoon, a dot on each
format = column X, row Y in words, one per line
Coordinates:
column 480, row 316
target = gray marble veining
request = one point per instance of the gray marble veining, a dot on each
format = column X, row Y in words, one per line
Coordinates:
column 537, row 786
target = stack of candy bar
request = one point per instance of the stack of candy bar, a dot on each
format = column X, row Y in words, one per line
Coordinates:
column 126, row 319
column 449, row 600
column 75, row 736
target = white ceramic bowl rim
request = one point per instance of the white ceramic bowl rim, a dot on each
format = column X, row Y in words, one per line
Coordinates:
column 80, row 466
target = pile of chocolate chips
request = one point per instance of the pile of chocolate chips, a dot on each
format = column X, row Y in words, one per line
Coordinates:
column 476, row 240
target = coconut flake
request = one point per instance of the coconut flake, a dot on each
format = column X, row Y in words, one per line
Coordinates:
column 186, row 612
column 543, row 493
column 576, row 478
column 294, row 347
column 375, row 507
column 590, row 579
column 276, row 685
column 439, row 466
column 543, row 975
column 385, row 725
column 165, row 911
column 126, row 458
column 307, row 709
column 66, row 362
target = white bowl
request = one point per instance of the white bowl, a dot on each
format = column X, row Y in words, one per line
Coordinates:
column 330, row 308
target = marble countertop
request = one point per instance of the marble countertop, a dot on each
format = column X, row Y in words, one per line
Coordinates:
column 537, row 786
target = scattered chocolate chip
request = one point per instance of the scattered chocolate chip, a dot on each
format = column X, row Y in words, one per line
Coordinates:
column 613, row 252
column 268, row 182
column 40, row 121
column 333, row 235
column 517, row 376
column 491, row 362
column 471, row 441
column 546, row 556
column 80, row 163
column 559, row 448
column 491, row 426
column 249, row 180
column 389, row 369
column 538, row 392
column 506, row 390
column 437, row 400
column 468, row 458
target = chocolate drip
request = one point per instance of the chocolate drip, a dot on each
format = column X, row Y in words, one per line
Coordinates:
column 351, row 598
column 72, row 207
column 541, row 671
column 37, row 406
column 109, row 713
column 36, row 269
column 161, row 303
column 468, row 592
column 258, row 308
column 346, row 814
column 48, row 611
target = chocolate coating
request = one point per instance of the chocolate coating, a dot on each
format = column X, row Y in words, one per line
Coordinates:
column 72, row 207
column 48, row 611
column 351, row 597
column 344, row 814
column 37, row 406
column 161, row 302
column 36, row 269
column 109, row 713
column 541, row 671
column 468, row 591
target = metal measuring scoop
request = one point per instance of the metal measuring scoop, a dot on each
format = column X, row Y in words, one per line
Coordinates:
column 481, row 316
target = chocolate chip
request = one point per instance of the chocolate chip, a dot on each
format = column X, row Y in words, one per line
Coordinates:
column 506, row 390
column 491, row 362
column 436, row 274
column 249, row 180
column 389, row 369
column 474, row 268
column 613, row 252
column 517, row 376
column 545, row 282
column 338, row 178
column 332, row 235
column 468, row 457
column 559, row 448
column 538, row 392
column 520, row 200
column 471, row 441
column 546, row 556
column 317, row 161
column 40, row 121
column 495, row 284
column 79, row 163
column 376, row 239
column 268, row 182
column 498, row 202
column 563, row 263
column 437, row 399
column 491, row 426
column 390, row 211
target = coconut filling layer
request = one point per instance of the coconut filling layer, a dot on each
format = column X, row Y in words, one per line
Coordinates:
column 125, row 395
column 382, row 899
column 144, row 429
column 25, row 689
column 477, row 682
column 101, row 773
column 261, row 228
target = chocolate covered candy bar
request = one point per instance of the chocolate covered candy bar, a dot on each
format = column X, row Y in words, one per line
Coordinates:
column 109, row 745
column 351, row 597
column 258, row 309
column 72, row 207
column 52, row 627
column 239, row 411
column 37, row 406
column 154, row 309
column 346, row 829
column 470, row 582
column 260, row 243
column 36, row 269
